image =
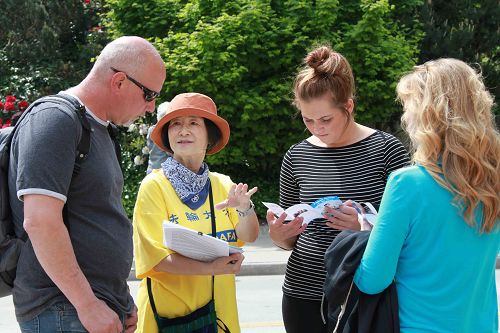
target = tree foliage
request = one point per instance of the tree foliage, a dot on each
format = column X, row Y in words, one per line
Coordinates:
column 468, row 30
column 48, row 47
column 244, row 54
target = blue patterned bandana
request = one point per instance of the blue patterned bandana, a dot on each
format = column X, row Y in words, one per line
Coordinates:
column 191, row 188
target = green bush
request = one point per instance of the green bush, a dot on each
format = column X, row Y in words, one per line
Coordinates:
column 244, row 54
column 466, row 30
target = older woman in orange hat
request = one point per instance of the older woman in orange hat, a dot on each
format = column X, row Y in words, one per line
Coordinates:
column 184, row 191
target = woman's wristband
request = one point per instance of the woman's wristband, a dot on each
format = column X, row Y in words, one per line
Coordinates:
column 246, row 212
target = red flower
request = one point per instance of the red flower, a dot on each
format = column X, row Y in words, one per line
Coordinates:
column 87, row 2
column 22, row 105
column 6, row 124
column 9, row 106
column 11, row 110
column 10, row 98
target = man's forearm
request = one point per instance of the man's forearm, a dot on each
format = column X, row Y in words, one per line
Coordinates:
column 55, row 253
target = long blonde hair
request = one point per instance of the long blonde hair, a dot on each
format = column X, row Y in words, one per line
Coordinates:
column 447, row 114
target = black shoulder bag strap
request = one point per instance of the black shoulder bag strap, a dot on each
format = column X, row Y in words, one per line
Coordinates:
column 151, row 299
column 220, row 323
column 214, row 229
column 84, row 144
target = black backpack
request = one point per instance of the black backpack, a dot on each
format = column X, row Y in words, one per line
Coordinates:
column 10, row 243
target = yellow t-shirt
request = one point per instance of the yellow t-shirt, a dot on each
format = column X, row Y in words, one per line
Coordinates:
column 177, row 295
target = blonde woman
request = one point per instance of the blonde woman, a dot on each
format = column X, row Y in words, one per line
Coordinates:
column 438, row 233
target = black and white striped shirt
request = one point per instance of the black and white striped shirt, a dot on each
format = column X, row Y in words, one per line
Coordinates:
column 358, row 172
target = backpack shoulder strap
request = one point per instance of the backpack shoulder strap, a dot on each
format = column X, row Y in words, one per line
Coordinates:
column 83, row 147
column 6, row 134
column 71, row 103
column 6, row 230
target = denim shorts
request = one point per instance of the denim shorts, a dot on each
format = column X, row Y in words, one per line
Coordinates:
column 58, row 318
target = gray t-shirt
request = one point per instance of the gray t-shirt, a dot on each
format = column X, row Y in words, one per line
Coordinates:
column 42, row 160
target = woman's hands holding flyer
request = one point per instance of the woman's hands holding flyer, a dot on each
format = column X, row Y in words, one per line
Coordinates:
column 284, row 234
column 346, row 217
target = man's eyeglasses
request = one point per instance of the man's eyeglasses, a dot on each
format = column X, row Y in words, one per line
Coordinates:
column 149, row 94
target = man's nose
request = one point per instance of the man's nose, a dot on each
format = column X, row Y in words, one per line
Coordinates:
column 150, row 106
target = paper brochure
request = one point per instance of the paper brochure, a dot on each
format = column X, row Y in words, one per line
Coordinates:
column 315, row 210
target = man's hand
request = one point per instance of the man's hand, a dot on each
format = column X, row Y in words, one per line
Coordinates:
column 131, row 321
column 97, row 317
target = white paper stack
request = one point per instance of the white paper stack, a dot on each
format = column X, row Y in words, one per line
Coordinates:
column 194, row 244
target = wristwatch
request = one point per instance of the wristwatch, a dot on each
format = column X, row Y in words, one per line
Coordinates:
column 246, row 212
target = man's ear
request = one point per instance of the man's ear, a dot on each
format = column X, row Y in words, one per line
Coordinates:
column 117, row 81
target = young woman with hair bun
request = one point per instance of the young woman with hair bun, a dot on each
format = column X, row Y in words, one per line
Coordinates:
column 341, row 158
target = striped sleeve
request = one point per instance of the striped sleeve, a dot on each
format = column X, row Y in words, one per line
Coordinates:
column 289, row 190
column 395, row 154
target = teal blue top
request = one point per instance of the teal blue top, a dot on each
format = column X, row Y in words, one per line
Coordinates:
column 444, row 269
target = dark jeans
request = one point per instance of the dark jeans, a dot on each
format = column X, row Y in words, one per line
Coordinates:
column 302, row 315
column 58, row 318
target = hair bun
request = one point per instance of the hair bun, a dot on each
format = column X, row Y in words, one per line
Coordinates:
column 323, row 60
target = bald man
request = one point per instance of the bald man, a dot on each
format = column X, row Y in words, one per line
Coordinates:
column 73, row 277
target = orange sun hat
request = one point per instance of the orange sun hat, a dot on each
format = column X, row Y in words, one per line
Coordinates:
column 194, row 105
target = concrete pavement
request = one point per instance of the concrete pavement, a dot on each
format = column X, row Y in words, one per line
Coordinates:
column 263, row 257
